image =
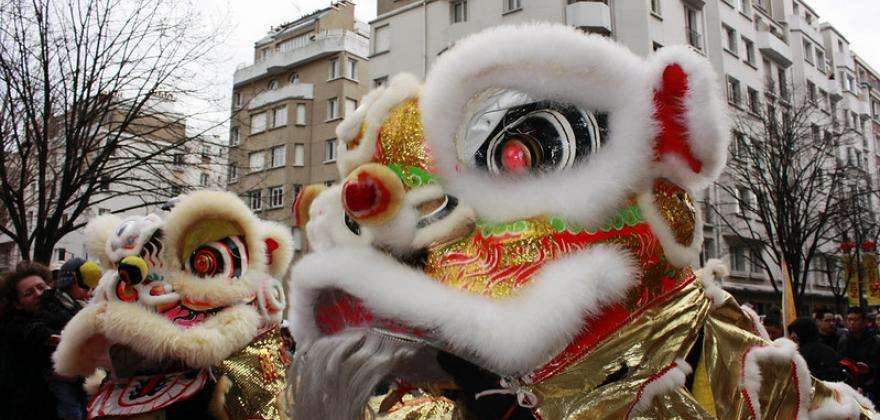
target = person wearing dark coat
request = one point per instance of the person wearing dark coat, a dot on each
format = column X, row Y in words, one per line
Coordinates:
column 823, row 361
column 861, row 346
column 827, row 326
column 30, row 332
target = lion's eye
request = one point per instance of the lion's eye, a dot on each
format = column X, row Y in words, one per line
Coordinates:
column 226, row 257
column 510, row 133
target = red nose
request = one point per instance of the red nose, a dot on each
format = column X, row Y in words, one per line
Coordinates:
column 365, row 196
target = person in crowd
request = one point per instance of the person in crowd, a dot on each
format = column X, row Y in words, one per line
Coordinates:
column 827, row 328
column 36, row 316
column 773, row 325
column 77, row 278
column 862, row 347
column 823, row 361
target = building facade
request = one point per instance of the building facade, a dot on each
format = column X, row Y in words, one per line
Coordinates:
column 761, row 50
column 306, row 76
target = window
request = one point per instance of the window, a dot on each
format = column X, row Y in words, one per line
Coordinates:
column 380, row 81
column 733, row 91
column 655, row 7
column 294, row 79
column 276, row 197
column 738, row 145
column 279, row 117
column 808, row 51
column 256, row 161
column 840, row 46
column 258, row 123
column 458, row 11
column 203, row 179
column 750, row 51
column 737, row 258
column 754, row 101
column 694, row 28
column 708, row 212
column 330, row 151
column 332, row 108
column 255, row 199
column 823, row 100
column 232, row 174
column 279, row 156
column 850, row 84
column 334, row 69
column 754, row 261
column 783, row 83
column 730, row 39
column 104, row 184
column 817, row 134
column 656, row 46
column 743, row 200
column 811, row 91
column 236, row 100
column 177, row 159
column 300, row 114
column 295, row 190
column 820, row 60
column 273, row 84
column 295, row 42
column 234, row 136
column 708, row 249
column 299, row 154
column 350, row 106
column 744, row 6
column 511, row 5
column 351, row 69
column 62, row 254
column 102, row 210
column 381, row 39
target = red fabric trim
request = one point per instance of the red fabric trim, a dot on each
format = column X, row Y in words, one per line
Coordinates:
column 670, row 113
column 271, row 246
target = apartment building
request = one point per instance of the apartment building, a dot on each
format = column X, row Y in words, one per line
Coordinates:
column 183, row 163
column 761, row 49
column 306, row 76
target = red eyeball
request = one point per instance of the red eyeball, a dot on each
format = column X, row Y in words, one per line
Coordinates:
column 516, row 157
column 372, row 194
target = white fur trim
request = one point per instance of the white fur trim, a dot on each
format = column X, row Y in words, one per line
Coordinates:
column 594, row 73
column 670, row 380
column 97, row 231
column 82, row 348
column 93, row 382
column 138, row 229
column 709, row 275
column 374, row 109
column 781, row 350
column 510, row 336
column 677, row 254
column 705, row 120
column 283, row 256
column 846, row 403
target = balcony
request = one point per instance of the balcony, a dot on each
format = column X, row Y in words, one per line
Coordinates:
column 833, row 88
column 798, row 23
column 774, row 47
column 291, row 91
column 593, row 16
column 326, row 43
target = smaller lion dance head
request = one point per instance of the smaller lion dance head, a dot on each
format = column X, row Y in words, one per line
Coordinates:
column 500, row 222
column 187, row 298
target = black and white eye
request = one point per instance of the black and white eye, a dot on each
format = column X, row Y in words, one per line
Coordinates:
column 225, row 258
column 541, row 137
column 510, row 133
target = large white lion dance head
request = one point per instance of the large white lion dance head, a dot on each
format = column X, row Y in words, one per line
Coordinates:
column 187, row 312
column 514, row 239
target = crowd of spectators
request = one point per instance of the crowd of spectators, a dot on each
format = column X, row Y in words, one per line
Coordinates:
column 837, row 348
column 34, row 308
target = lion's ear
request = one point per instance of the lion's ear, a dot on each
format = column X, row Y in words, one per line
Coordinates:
column 691, row 144
column 97, row 231
column 278, row 242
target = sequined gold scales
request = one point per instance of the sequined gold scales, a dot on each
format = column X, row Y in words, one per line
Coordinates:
column 256, row 376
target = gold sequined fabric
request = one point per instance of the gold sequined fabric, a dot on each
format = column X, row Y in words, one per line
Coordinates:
column 401, row 138
column 258, row 374
column 677, row 210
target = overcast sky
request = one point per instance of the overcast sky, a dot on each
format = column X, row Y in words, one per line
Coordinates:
column 249, row 20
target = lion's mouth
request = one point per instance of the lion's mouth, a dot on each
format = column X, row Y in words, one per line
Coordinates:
column 186, row 317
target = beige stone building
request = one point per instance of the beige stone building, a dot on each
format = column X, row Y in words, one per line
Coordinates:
column 306, row 76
